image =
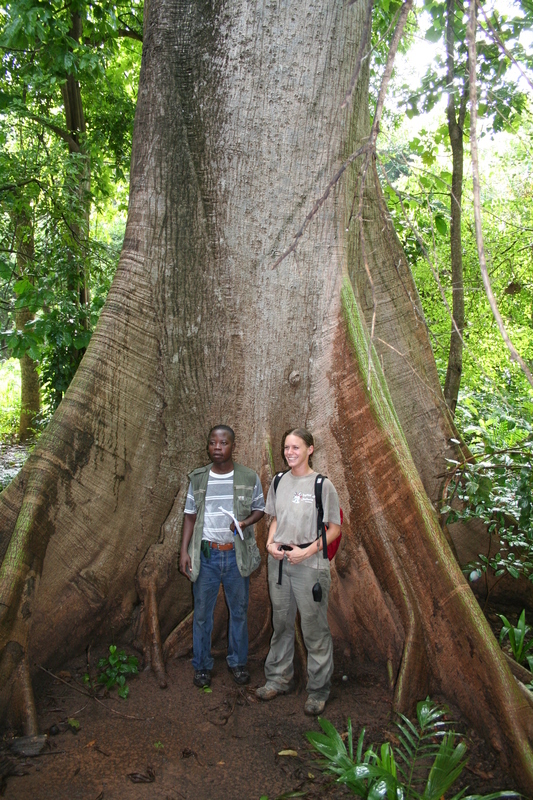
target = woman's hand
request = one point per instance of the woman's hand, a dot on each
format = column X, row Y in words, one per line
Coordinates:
column 298, row 554
column 274, row 550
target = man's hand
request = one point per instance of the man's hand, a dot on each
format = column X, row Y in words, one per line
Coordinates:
column 185, row 564
column 242, row 526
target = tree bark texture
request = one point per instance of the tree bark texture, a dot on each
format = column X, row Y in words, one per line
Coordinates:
column 238, row 131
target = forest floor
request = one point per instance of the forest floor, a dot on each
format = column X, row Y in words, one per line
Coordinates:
column 12, row 457
column 221, row 745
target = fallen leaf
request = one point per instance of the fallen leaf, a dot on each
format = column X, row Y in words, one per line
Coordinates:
column 486, row 776
column 140, row 777
column 292, row 753
column 91, row 744
column 220, row 763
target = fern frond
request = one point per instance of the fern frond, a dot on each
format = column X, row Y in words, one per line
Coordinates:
column 447, row 767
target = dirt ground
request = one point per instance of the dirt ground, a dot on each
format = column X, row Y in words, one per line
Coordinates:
column 223, row 745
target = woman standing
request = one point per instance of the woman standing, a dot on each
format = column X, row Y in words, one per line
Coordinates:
column 295, row 565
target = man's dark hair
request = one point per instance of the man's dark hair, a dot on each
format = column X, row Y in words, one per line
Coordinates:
column 226, row 428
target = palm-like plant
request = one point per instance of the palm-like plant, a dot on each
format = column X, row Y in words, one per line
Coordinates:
column 424, row 766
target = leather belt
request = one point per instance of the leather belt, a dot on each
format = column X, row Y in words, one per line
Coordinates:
column 280, row 568
column 217, row 546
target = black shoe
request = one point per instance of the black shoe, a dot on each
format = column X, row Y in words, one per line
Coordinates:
column 202, row 677
column 240, row 675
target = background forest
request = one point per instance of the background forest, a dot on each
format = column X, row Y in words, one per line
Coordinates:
column 67, row 103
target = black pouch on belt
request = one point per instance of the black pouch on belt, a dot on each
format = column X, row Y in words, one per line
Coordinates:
column 206, row 550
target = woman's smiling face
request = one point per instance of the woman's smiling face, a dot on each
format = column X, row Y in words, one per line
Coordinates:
column 296, row 452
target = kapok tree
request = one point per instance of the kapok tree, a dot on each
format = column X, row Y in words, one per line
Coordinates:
column 239, row 130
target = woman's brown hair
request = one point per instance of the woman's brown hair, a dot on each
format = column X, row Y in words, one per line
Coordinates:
column 301, row 433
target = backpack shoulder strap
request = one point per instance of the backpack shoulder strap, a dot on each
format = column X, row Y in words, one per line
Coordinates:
column 319, row 482
column 277, row 477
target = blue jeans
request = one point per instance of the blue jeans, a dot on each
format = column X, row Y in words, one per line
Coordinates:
column 220, row 568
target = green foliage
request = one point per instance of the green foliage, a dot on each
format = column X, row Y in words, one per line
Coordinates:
column 424, row 765
column 517, row 638
column 59, row 204
column 501, row 102
column 496, row 485
column 9, row 398
column 115, row 668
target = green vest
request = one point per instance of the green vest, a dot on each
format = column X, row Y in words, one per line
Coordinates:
column 246, row 552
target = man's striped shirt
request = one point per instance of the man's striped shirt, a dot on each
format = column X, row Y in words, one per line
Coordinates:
column 220, row 493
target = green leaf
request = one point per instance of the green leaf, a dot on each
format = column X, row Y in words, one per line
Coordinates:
column 441, row 225
column 433, row 34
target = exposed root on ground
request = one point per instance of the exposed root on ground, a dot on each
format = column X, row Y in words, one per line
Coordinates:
column 24, row 701
column 153, row 576
column 179, row 641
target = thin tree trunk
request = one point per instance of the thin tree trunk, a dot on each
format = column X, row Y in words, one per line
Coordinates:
column 30, row 398
column 456, row 120
column 75, row 124
column 238, row 130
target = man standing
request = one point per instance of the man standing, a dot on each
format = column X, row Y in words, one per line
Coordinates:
column 213, row 552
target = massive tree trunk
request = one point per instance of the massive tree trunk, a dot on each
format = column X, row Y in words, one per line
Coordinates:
column 238, row 131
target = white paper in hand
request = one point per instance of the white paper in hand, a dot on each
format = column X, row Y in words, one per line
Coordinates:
column 237, row 526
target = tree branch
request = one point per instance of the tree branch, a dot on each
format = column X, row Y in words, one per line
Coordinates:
column 499, row 41
column 128, row 33
column 65, row 135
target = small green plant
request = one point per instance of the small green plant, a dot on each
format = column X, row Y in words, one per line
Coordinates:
column 517, row 638
column 424, row 766
column 159, row 746
column 115, row 668
column 73, row 724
